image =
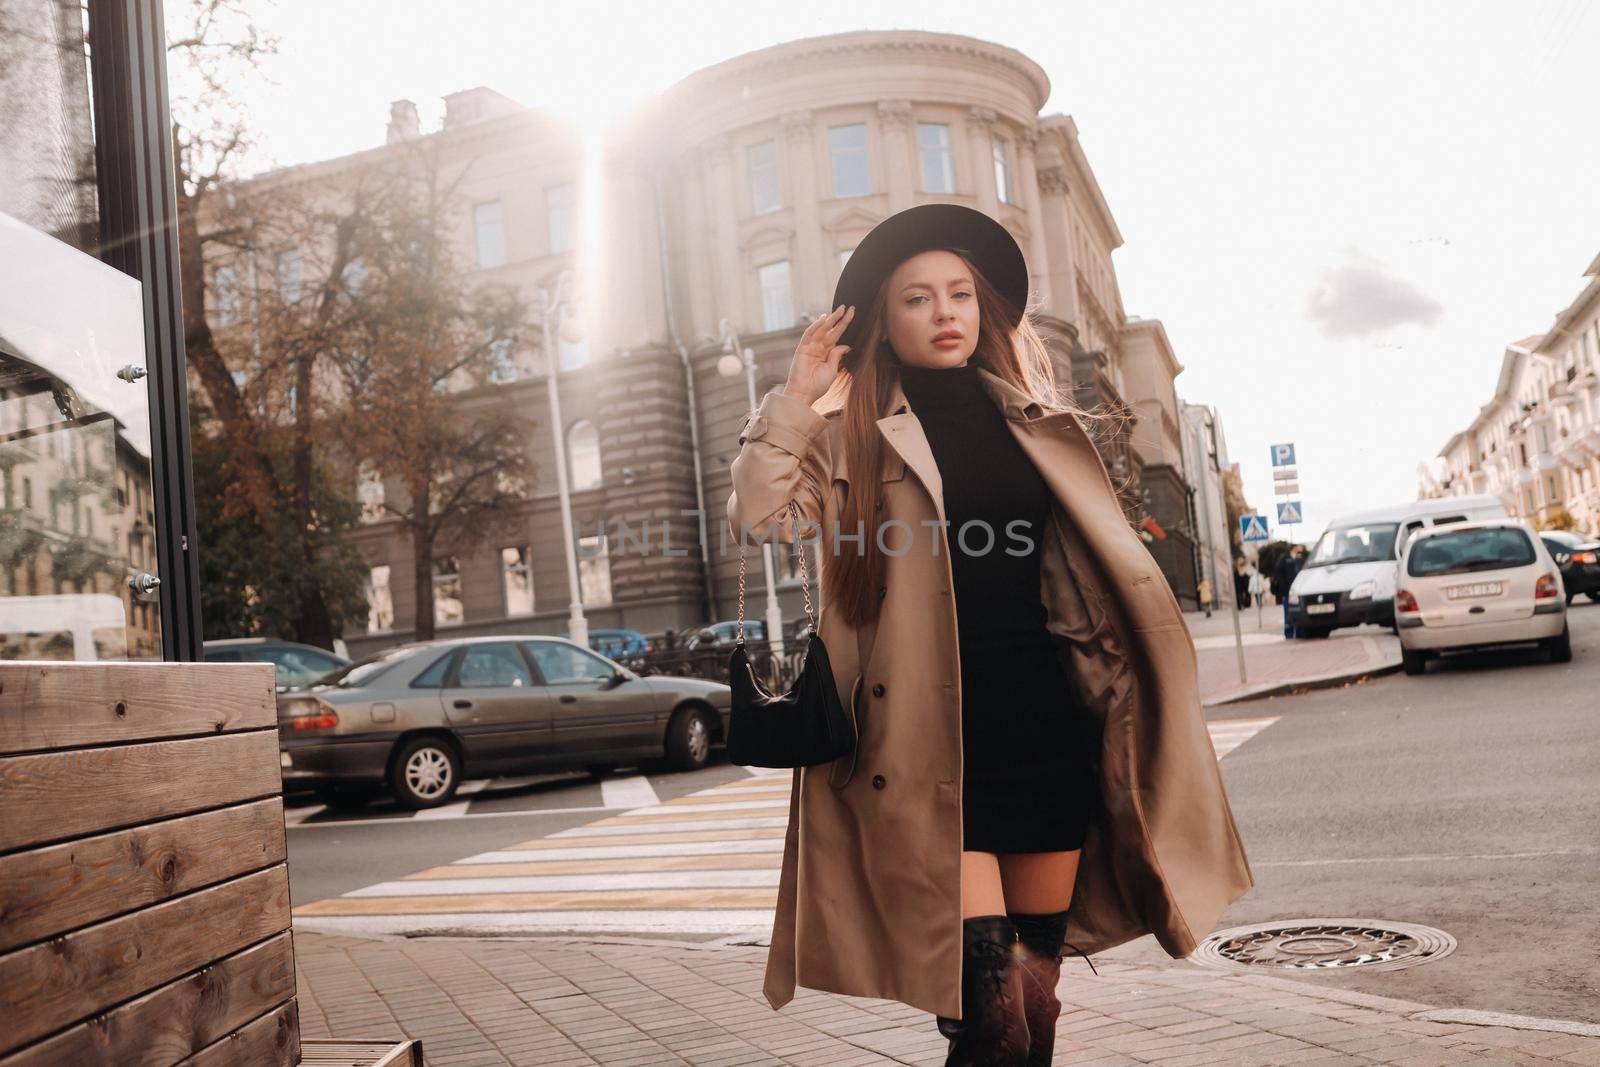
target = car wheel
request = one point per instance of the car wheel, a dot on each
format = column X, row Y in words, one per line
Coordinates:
column 689, row 740
column 1560, row 646
column 345, row 797
column 424, row 773
column 1414, row 661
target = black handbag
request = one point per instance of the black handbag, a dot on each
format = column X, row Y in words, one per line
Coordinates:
column 801, row 728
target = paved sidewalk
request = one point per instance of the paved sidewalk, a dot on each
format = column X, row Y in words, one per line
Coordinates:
column 1274, row 664
column 548, row 1001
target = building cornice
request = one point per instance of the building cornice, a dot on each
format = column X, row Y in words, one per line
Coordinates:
column 850, row 47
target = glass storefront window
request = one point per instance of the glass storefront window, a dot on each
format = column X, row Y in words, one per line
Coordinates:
column 77, row 521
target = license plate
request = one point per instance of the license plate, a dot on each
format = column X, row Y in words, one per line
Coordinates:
column 1476, row 589
column 1320, row 609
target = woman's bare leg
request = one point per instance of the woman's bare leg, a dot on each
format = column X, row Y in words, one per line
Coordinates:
column 1036, row 882
column 981, row 888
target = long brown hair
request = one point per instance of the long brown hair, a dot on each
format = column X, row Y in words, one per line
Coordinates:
column 866, row 378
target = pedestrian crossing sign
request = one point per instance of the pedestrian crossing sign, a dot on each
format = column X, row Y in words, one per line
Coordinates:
column 1253, row 528
column 1289, row 512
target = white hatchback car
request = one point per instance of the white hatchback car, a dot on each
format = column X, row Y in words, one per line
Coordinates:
column 1478, row 583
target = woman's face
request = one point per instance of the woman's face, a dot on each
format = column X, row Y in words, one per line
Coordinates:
column 932, row 310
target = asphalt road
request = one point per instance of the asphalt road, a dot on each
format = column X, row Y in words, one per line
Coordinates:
column 1467, row 800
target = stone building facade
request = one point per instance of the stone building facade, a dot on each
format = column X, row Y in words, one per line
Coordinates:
column 1536, row 443
column 714, row 220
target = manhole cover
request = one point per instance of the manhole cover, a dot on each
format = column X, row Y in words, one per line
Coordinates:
column 1323, row 945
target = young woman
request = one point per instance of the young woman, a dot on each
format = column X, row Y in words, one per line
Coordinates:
column 1033, row 768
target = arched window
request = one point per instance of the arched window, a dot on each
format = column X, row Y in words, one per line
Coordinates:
column 583, row 456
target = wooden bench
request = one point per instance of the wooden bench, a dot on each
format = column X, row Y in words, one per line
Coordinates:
column 361, row 1054
column 144, row 893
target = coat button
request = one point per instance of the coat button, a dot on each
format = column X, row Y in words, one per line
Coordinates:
column 877, row 690
column 883, row 591
column 878, row 782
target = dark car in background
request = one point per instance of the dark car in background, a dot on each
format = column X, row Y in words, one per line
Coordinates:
column 297, row 664
column 1579, row 561
column 416, row 719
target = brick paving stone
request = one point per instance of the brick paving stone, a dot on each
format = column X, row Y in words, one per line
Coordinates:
column 557, row 1001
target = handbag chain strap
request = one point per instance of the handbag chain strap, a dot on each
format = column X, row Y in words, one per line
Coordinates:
column 805, row 577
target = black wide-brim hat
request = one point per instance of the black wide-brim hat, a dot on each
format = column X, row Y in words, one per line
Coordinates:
column 985, row 242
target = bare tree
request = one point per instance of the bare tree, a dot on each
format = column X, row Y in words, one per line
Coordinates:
column 419, row 356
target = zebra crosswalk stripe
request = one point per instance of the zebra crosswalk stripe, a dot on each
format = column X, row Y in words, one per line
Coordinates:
column 707, row 862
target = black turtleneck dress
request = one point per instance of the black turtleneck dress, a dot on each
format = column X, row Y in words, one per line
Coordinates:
column 1027, row 784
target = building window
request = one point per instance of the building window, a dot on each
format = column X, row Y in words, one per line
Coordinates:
column 354, row 276
column 289, row 275
column 777, row 307
column 852, row 169
column 380, row 604
column 369, row 492
column 594, row 571
column 572, row 339
column 502, row 361
column 447, row 608
column 583, row 456
column 516, row 580
column 762, row 162
column 225, row 287
column 489, row 220
column 938, row 161
column 558, row 204
column 1002, row 169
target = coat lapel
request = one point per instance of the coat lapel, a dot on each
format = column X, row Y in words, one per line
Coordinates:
column 902, row 430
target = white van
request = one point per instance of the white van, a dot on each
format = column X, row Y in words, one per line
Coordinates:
column 70, row 626
column 1349, row 575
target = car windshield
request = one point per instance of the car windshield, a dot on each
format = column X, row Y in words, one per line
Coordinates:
column 363, row 672
column 1367, row 543
column 1489, row 548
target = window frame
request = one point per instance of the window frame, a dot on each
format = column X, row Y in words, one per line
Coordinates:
column 754, row 171
column 768, row 321
column 837, row 152
column 947, row 155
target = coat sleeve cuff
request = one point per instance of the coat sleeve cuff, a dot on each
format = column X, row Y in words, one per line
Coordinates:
column 784, row 422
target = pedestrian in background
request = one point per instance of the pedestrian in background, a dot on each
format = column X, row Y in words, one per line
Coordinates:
column 986, row 819
column 1258, row 587
column 1283, row 577
column 1205, row 595
column 1241, row 583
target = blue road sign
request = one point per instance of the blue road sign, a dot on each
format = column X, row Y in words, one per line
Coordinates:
column 1289, row 512
column 1283, row 455
column 1253, row 528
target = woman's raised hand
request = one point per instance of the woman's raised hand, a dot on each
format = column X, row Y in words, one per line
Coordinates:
column 816, row 358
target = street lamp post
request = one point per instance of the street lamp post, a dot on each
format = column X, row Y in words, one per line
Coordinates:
column 741, row 358
column 548, row 306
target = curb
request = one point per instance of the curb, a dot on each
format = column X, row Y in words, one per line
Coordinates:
column 1315, row 681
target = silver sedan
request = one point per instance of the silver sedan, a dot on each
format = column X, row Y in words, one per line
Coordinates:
column 417, row 719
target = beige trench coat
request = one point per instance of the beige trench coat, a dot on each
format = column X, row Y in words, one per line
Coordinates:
column 869, row 898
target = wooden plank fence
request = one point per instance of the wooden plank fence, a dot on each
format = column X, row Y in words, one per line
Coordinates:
column 144, row 893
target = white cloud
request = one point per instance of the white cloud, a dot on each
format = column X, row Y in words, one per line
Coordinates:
column 1360, row 299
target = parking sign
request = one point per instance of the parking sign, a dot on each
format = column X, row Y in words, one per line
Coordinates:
column 1283, row 455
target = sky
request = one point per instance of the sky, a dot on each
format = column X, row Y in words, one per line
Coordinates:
column 1342, row 212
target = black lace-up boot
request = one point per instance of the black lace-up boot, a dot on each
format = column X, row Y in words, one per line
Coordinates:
column 993, row 1029
column 1042, row 938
